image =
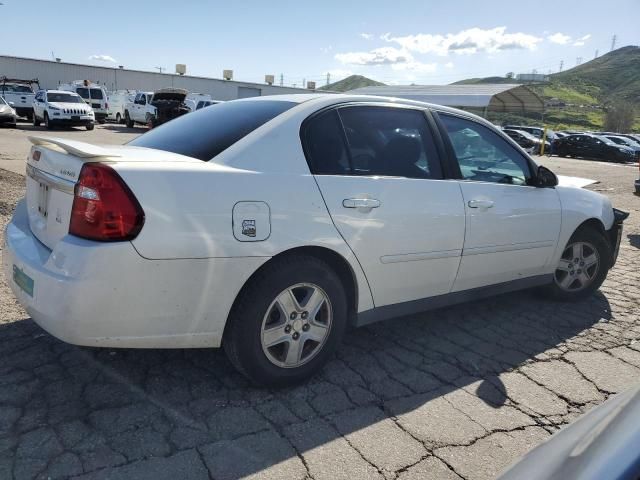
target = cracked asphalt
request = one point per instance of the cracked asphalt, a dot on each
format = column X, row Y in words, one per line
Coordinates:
column 461, row 392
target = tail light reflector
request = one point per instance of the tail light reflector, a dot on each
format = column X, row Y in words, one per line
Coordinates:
column 104, row 208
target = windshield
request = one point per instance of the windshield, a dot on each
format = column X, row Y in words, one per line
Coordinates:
column 63, row 98
column 83, row 92
column 205, row 133
column 96, row 93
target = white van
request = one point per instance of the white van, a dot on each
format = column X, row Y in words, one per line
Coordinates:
column 193, row 99
column 93, row 94
column 117, row 101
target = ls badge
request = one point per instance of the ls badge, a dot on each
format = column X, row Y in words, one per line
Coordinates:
column 249, row 228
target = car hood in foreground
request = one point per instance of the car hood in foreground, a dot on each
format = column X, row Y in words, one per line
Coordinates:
column 603, row 443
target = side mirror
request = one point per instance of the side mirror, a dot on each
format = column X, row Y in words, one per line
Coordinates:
column 545, row 178
column 12, row 104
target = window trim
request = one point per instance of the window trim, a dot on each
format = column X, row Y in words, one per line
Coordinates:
column 430, row 127
column 452, row 159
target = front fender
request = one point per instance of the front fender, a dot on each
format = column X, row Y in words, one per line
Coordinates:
column 578, row 206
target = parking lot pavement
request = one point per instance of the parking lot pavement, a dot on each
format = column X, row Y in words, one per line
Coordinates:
column 14, row 144
column 456, row 393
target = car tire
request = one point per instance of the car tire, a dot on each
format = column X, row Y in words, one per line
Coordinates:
column 47, row 123
column 36, row 122
column 272, row 339
column 118, row 118
column 583, row 266
column 127, row 120
column 90, row 126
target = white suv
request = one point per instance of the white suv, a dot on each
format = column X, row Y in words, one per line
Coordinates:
column 57, row 107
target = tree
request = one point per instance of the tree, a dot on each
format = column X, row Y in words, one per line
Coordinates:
column 619, row 118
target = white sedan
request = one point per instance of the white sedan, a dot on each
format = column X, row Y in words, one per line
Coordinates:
column 268, row 225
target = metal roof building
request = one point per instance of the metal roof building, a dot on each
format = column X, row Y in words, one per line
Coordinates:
column 486, row 97
column 51, row 74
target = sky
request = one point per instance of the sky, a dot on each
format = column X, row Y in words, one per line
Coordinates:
column 395, row 42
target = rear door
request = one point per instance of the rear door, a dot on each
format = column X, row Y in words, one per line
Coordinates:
column 512, row 228
column 380, row 175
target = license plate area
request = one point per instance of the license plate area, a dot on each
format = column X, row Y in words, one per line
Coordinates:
column 24, row 281
column 75, row 117
column 43, row 199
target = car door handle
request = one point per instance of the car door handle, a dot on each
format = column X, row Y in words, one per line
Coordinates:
column 360, row 203
column 480, row 204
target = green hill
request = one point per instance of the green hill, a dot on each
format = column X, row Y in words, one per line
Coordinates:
column 350, row 83
column 586, row 90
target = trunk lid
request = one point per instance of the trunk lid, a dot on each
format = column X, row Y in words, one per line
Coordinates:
column 53, row 168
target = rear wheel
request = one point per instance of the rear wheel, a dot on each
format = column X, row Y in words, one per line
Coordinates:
column 47, row 122
column 583, row 266
column 127, row 120
column 287, row 321
column 118, row 118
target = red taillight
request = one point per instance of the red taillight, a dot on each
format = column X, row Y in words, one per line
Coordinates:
column 104, row 209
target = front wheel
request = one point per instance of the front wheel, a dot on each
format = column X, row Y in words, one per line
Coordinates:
column 36, row 122
column 127, row 120
column 47, row 122
column 583, row 266
column 118, row 118
column 90, row 126
column 287, row 321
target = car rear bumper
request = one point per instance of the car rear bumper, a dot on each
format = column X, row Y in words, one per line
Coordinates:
column 106, row 294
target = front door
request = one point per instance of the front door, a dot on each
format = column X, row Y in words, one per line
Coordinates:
column 380, row 176
column 512, row 227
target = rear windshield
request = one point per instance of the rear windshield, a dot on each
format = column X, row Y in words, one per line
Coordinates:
column 16, row 88
column 205, row 133
column 96, row 94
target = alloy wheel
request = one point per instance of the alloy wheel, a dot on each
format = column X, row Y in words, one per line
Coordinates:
column 578, row 267
column 296, row 325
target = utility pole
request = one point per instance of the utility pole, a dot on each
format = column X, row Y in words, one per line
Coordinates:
column 281, row 79
column 613, row 42
column 596, row 54
column 561, row 65
column 578, row 61
column 328, row 78
column 304, row 83
column 160, row 69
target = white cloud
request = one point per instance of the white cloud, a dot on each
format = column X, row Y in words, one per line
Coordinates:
column 367, row 36
column 377, row 56
column 468, row 41
column 582, row 40
column 326, row 49
column 559, row 38
column 448, row 65
column 103, row 58
column 414, row 66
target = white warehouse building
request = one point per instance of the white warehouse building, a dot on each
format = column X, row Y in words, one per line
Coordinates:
column 51, row 73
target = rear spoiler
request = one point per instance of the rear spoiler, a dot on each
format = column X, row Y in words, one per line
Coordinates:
column 79, row 149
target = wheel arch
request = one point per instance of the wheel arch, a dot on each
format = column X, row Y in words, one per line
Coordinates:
column 336, row 261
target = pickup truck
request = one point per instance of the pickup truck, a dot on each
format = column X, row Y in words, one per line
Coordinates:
column 153, row 109
column 19, row 95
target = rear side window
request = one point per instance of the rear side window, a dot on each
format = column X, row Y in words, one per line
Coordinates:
column 372, row 141
column 205, row 133
column 96, row 94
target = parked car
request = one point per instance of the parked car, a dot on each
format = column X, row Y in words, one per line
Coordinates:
column 526, row 140
column 620, row 140
column 600, row 444
column 538, row 132
column 268, row 225
column 59, row 107
column 206, row 103
column 595, row 147
column 153, row 109
column 193, row 99
column 19, row 94
column 7, row 113
column 93, row 94
column 117, row 101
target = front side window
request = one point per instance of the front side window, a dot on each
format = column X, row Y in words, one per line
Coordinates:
column 372, row 141
column 483, row 155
